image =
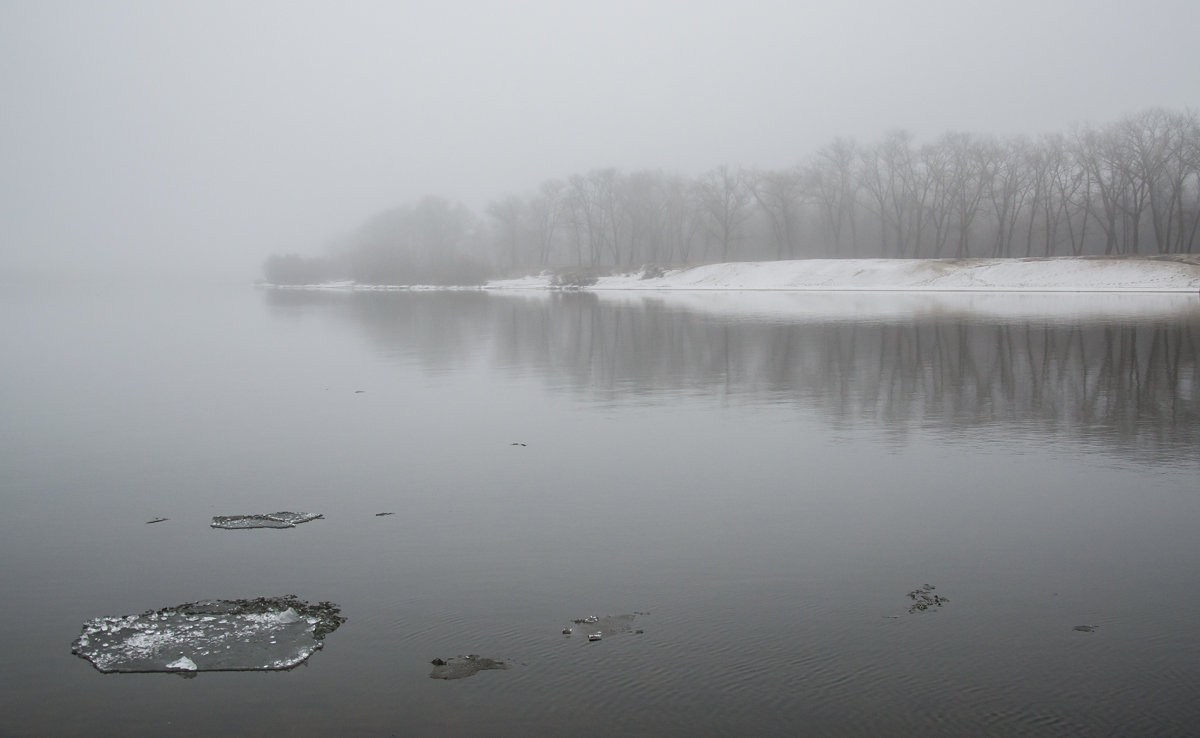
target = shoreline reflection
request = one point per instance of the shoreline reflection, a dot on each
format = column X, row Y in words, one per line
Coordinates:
column 1118, row 370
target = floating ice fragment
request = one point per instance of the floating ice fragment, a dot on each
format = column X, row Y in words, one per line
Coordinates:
column 261, row 634
column 263, row 520
column 924, row 600
column 463, row 666
column 609, row 625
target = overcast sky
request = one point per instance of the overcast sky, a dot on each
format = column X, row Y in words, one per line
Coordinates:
column 201, row 136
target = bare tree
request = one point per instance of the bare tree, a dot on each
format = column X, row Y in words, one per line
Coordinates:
column 1008, row 191
column 779, row 194
column 584, row 219
column 507, row 212
column 831, row 182
column 724, row 198
column 546, row 213
column 645, row 205
column 681, row 219
column 971, row 168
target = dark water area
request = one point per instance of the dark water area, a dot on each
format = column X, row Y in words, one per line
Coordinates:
column 764, row 489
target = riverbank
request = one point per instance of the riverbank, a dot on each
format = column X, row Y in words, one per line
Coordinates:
column 1059, row 274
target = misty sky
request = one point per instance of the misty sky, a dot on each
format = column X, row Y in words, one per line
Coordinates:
column 201, row 136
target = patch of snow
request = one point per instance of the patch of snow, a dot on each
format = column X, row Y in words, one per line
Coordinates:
column 183, row 663
column 1061, row 274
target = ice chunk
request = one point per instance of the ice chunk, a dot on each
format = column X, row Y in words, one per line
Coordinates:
column 609, row 625
column 263, row 520
column 267, row 633
column 462, row 667
column 924, row 600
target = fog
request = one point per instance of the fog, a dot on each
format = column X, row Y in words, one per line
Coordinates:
column 191, row 140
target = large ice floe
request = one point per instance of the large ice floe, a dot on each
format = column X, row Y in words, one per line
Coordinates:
column 263, row 634
column 263, row 520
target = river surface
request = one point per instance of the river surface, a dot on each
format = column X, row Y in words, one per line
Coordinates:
column 763, row 487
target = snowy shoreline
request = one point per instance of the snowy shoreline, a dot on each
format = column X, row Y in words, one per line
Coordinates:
column 1055, row 290
column 1060, row 274
column 1055, row 274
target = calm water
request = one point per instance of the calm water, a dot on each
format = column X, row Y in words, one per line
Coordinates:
column 767, row 487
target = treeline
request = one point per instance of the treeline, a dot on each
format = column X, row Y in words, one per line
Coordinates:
column 432, row 242
column 1131, row 187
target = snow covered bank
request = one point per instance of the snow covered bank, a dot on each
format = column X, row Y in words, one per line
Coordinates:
column 1065, row 274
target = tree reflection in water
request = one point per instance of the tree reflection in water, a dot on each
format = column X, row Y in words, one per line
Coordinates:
column 1131, row 383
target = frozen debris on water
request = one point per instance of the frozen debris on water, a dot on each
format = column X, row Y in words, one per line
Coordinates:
column 462, row 667
column 609, row 625
column 157, row 520
column 183, row 663
column 263, row 520
column 263, row 634
column 924, row 599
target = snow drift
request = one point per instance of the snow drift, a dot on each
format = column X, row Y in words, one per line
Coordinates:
column 1059, row 274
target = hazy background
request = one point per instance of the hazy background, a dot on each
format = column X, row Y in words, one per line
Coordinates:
column 191, row 139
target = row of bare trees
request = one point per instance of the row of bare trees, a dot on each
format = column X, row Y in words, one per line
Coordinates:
column 434, row 241
column 1132, row 187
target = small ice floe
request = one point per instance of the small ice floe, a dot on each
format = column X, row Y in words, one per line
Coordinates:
column 267, row 633
column 263, row 520
column 462, row 667
column 157, row 520
column 924, row 600
column 608, row 625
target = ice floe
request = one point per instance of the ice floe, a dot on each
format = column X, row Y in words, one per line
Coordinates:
column 263, row 520
column 461, row 667
column 263, row 634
